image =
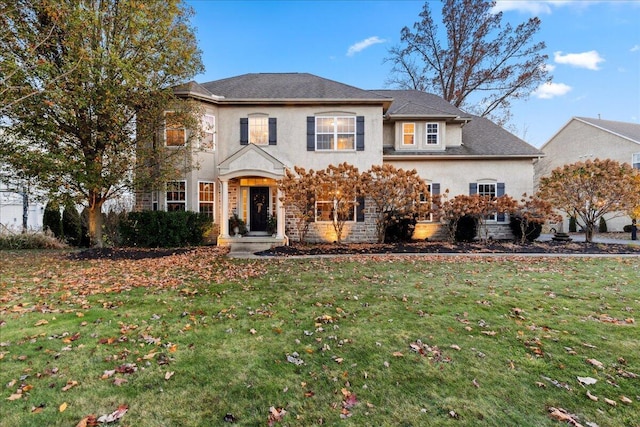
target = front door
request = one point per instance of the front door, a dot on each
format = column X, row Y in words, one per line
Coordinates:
column 259, row 208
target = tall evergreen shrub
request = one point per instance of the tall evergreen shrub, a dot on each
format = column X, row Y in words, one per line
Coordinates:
column 52, row 220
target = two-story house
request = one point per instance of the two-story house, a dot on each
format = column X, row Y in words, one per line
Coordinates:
column 257, row 125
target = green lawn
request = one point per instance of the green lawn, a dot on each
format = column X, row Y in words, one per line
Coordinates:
column 359, row 341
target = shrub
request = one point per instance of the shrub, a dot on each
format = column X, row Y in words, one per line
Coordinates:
column 51, row 219
column 30, row 240
column 467, row 229
column 71, row 225
column 572, row 224
column 627, row 228
column 400, row 228
column 531, row 233
column 602, row 226
column 163, row 229
column 111, row 227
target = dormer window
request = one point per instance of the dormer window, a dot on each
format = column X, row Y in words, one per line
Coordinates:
column 408, row 134
column 432, row 134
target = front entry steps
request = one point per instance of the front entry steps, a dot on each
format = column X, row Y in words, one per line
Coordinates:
column 251, row 243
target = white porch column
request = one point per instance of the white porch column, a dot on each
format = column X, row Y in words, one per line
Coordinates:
column 280, row 216
column 224, row 222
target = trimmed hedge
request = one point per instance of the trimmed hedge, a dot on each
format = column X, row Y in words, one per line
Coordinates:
column 155, row 229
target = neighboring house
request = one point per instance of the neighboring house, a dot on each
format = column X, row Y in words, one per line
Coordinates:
column 258, row 125
column 12, row 210
column 582, row 139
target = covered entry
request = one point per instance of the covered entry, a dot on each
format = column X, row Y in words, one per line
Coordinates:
column 249, row 190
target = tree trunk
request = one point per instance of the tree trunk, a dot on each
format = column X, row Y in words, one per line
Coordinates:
column 95, row 225
column 588, row 232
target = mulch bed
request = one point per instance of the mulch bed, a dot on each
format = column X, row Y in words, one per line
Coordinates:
column 506, row 247
column 126, row 253
column 422, row 247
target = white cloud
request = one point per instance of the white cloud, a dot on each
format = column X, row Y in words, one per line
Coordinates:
column 548, row 67
column 532, row 7
column 588, row 60
column 635, row 48
column 362, row 45
column 551, row 90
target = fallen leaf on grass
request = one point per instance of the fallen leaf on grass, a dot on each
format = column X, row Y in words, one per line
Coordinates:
column 38, row 409
column 275, row 415
column 15, row 396
column 595, row 363
column 625, row 399
column 397, row 354
column 70, row 385
column 562, row 415
column 490, row 333
column 119, row 381
column 587, row 380
column 88, row 421
column 591, row 396
column 610, row 402
column 115, row 415
column 63, row 407
column 41, row 322
column 168, row 375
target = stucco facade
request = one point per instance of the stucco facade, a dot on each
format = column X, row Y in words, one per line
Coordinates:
column 582, row 139
column 450, row 148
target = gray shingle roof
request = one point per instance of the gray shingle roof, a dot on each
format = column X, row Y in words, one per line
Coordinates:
column 480, row 138
column 284, row 86
column 627, row 130
column 417, row 103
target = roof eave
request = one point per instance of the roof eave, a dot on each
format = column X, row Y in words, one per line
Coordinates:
column 460, row 156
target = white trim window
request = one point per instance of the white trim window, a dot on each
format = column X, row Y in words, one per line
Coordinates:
column 635, row 160
column 206, row 198
column 327, row 209
column 408, row 134
column 433, row 134
column 176, row 196
column 259, row 130
column 488, row 189
column 208, row 141
column 427, row 200
column 336, row 133
column 175, row 134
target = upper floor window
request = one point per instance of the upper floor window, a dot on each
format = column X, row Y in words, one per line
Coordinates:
column 335, row 133
column 176, row 196
column 432, row 134
column 259, row 130
column 408, row 133
column 635, row 161
column 208, row 132
column 206, row 194
column 175, row 135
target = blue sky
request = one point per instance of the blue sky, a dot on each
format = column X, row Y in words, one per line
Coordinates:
column 593, row 48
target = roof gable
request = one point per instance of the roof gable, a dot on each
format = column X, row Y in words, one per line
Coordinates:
column 630, row 131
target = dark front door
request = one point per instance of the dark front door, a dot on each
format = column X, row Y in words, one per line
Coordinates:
column 259, row 208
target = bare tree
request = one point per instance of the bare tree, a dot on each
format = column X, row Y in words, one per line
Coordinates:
column 480, row 66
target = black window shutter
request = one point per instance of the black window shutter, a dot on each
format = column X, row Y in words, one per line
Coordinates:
column 273, row 131
column 360, row 133
column 360, row 209
column 435, row 188
column 500, row 192
column 311, row 133
column 244, row 131
column 473, row 188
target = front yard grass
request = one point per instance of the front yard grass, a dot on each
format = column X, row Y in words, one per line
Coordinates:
column 196, row 339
